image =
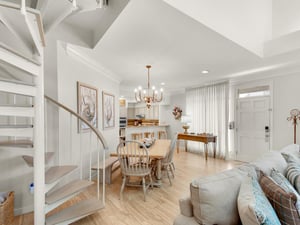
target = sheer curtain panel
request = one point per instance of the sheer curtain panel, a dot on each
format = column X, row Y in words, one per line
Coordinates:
column 208, row 107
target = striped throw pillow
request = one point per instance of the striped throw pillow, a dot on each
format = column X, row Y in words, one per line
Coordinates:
column 293, row 175
column 283, row 202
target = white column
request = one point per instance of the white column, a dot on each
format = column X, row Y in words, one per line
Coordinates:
column 39, row 148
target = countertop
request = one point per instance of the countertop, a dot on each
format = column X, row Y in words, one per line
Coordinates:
column 141, row 126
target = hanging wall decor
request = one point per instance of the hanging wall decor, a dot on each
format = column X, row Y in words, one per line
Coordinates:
column 294, row 116
column 108, row 106
column 87, row 105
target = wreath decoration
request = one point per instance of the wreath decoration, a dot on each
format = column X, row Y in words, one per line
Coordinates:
column 177, row 112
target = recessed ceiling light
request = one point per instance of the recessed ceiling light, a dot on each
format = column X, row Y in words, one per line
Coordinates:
column 204, row 71
column 162, row 83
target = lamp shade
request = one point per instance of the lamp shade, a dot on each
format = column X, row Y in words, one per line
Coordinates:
column 186, row 119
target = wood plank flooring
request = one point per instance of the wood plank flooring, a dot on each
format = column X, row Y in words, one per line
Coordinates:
column 161, row 206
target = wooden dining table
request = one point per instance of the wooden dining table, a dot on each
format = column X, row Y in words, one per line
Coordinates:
column 204, row 138
column 156, row 151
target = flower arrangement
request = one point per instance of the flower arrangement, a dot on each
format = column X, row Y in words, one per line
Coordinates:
column 177, row 112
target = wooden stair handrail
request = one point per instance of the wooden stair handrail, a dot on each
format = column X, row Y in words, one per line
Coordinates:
column 95, row 130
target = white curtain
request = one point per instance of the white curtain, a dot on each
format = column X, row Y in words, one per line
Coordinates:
column 208, row 107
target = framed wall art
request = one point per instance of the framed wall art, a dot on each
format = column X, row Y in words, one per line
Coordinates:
column 87, row 105
column 108, row 106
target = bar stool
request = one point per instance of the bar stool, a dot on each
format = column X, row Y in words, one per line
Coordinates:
column 148, row 134
column 162, row 134
column 136, row 136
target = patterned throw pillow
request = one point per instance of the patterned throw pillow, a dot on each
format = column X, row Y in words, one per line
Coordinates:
column 254, row 208
column 282, row 202
column 293, row 175
column 285, row 185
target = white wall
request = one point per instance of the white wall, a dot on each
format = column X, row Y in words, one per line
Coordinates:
column 286, row 97
column 166, row 116
column 286, row 17
column 248, row 23
column 72, row 69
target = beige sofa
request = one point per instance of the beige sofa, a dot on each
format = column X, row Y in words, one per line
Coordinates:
column 213, row 199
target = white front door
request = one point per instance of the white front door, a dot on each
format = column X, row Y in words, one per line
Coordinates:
column 253, row 127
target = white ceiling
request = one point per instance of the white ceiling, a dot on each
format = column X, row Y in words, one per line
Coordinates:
column 177, row 46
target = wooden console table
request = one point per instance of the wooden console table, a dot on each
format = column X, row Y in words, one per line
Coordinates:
column 200, row 138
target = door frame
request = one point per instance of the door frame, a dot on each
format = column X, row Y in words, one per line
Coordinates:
column 250, row 85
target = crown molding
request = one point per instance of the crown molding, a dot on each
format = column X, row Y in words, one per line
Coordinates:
column 92, row 63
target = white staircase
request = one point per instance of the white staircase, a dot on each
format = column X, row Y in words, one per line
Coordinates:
column 23, row 129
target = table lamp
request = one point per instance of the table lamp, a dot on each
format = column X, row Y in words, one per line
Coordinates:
column 185, row 120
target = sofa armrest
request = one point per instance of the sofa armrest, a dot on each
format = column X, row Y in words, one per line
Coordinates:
column 186, row 207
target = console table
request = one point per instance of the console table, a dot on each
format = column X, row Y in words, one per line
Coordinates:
column 204, row 138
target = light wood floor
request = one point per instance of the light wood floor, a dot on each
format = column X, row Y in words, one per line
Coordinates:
column 161, row 206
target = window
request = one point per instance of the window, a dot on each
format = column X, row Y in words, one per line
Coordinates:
column 259, row 91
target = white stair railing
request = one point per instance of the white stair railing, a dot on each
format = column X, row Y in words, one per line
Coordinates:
column 88, row 143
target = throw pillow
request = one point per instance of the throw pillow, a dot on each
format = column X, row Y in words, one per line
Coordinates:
column 293, row 175
column 214, row 198
column 282, row 202
column 272, row 159
column 290, row 158
column 286, row 185
column 254, row 208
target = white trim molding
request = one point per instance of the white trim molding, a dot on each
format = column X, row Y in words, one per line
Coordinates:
column 92, row 63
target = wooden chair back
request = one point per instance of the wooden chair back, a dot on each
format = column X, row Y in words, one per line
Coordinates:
column 136, row 136
column 134, row 158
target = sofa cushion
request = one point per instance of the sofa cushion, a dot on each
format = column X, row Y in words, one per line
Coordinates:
column 290, row 158
column 292, row 149
column 293, row 175
column 270, row 160
column 254, row 208
column 291, row 153
column 283, row 202
column 214, row 198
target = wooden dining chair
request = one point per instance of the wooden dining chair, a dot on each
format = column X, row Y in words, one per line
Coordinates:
column 134, row 162
column 167, row 164
column 162, row 134
column 148, row 134
column 136, row 136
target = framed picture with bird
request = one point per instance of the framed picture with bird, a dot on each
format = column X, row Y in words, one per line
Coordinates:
column 87, row 105
column 108, row 107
